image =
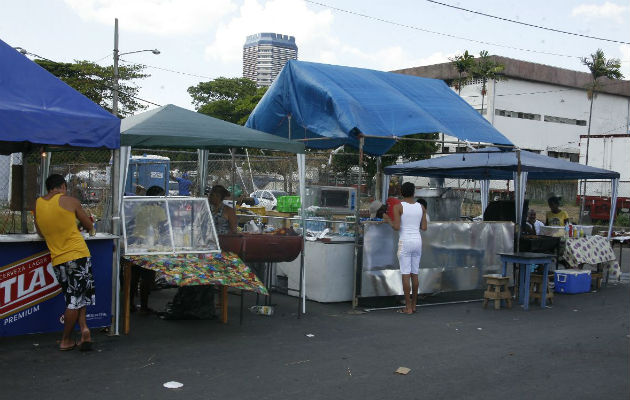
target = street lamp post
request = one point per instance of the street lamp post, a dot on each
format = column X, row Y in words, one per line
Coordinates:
column 117, row 187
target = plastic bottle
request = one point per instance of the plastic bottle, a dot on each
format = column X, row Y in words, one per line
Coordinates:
column 569, row 229
column 150, row 236
column 262, row 310
column 581, row 232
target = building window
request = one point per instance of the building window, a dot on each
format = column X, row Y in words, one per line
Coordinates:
column 561, row 120
column 517, row 114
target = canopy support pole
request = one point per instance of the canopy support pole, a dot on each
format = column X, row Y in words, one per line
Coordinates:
column 120, row 165
column 23, row 215
column 378, row 181
column 202, row 170
column 355, row 300
column 614, row 183
column 232, row 194
column 301, row 161
column 520, row 183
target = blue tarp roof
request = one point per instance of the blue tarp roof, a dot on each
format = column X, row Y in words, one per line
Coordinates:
column 492, row 163
column 38, row 108
column 337, row 102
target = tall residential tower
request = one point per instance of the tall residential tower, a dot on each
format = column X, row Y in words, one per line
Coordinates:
column 264, row 55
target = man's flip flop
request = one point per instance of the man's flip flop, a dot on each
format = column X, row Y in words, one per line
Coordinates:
column 401, row 311
column 68, row 348
column 85, row 346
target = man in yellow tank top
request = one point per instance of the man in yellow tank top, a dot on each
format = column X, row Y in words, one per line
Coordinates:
column 55, row 220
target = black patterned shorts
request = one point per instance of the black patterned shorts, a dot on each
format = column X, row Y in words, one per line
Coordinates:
column 77, row 282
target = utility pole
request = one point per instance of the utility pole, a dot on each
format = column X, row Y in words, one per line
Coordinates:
column 115, row 85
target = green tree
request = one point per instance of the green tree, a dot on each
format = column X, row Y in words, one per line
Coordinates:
column 464, row 65
column 96, row 82
column 599, row 68
column 486, row 68
column 229, row 99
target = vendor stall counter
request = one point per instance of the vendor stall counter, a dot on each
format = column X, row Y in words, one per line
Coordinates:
column 328, row 270
column 30, row 296
column 455, row 256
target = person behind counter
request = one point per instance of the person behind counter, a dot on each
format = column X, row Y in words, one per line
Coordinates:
column 532, row 225
column 55, row 220
column 224, row 216
column 556, row 216
column 409, row 219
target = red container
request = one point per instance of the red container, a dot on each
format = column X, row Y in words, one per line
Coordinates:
column 261, row 247
column 391, row 202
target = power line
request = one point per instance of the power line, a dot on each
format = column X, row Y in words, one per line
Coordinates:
column 438, row 33
column 170, row 70
column 526, row 24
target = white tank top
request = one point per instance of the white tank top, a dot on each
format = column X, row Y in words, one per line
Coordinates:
column 410, row 220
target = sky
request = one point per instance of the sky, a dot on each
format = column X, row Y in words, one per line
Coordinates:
column 201, row 40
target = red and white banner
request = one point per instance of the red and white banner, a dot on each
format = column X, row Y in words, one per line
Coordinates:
column 27, row 282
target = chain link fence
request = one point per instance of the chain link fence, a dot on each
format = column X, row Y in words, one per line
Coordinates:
column 88, row 176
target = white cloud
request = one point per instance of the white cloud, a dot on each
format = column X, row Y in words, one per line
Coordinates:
column 162, row 17
column 607, row 10
column 288, row 17
column 313, row 32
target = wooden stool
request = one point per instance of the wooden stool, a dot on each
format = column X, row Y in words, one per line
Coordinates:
column 535, row 286
column 596, row 278
column 493, row 292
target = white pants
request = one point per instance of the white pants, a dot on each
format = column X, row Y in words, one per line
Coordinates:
column 409, row 253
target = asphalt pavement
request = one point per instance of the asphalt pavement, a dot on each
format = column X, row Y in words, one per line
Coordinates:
column 577, row 349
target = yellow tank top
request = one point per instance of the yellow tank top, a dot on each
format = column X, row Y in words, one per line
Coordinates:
column 59, row 228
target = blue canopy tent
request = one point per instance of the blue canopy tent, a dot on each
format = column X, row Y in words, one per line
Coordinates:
column 37, row 108
column 492, row 163
column 310, row 101
column 331, row 105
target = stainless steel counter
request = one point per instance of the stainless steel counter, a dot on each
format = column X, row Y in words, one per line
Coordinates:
column 455, row 256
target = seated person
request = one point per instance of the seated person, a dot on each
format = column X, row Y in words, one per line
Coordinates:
column 556, row 216
column 224, row 216
column 532, row 225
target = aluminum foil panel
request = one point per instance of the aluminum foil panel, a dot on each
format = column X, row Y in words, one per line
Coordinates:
column 455, row 256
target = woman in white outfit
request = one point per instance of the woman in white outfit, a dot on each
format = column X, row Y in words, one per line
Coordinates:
column 409, row 219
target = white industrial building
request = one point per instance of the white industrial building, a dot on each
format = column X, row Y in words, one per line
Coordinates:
column 546, row 109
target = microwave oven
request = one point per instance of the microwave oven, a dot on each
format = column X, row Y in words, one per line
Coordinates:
column 336, row 199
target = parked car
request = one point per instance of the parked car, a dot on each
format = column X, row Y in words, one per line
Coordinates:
column 268, row 198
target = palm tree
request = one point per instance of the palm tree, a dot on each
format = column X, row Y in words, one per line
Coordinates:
column 486, row 68
column 599, row 67
column 463, row 64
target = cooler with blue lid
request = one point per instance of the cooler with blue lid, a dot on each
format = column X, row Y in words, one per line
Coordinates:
column 572, row 281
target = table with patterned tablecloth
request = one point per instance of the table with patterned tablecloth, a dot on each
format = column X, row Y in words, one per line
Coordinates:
column 591, row 250
column 222, row 269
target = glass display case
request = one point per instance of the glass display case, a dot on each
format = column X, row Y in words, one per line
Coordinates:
column 168, row 225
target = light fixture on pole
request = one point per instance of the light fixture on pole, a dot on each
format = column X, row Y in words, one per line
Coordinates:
column 116, row 59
